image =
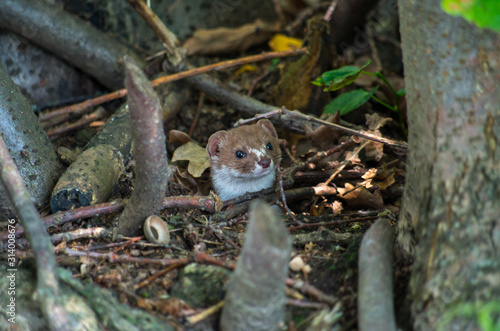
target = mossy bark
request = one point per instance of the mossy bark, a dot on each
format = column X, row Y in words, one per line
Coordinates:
column 28, row 145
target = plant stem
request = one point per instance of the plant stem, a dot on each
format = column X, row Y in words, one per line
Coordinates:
column 379, row 75
column 383, row 103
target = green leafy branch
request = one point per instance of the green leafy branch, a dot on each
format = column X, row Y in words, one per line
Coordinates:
column 346, row 102
column 483, row 13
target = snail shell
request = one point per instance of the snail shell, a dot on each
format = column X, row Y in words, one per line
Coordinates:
column 156, row 230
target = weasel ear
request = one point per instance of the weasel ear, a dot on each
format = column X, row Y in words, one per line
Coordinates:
column 266, row 124
column 215, row 143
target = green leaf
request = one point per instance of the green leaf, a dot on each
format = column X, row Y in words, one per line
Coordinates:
column 402, row 92
column 483, row 13
column 335, row 79
column 274, row 63
column 347, row 102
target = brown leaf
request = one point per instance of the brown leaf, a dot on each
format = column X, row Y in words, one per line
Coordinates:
column 388, row 181
column 361, row 198
column 375, row 122
column 380, row 179
column 324, row 136
column 230, row 40
column 178, row 137
column 294, row 90
column 375, row 150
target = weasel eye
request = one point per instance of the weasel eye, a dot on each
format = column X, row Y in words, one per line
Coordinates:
column 240, row 154
column 269, row 146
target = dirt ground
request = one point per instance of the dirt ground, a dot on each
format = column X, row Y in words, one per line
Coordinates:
column 366, row 180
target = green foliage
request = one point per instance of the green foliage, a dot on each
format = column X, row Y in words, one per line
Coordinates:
column 338, row 78
column 274, row 64
column 484, row 312
column 349, row 101
column 483, row 13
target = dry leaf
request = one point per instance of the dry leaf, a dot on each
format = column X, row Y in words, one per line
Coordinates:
column 323, row 137
column 375, row 150
column 371, row 173
column 230, row 40
column 309, row 247
column 196, row 155
column 381, row 179
column 178, row 137
column 294, row 90
column 361, row 198
column 375, row 122
column 280, row 42
column 245, row 68
column 388, row 181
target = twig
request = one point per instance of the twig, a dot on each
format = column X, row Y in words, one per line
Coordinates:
column 329, row 12
column 197, row 114
column 346, row 162
column 279, row 10
column 99, row 232
column 283, row 198
column 337, row 222
column 302, row 16
column 47, row 282
column 209, row 259
column 231, row 222
column 204, row 203
column 302, row 304
column 256, row 80
column 113, row 258
column 169, row 39
column 222, row 237
column 297, row 115
column 81, row 107
column 127, row 243
column 318, row 157
column 98, row 114
column 156, row 275
column 310, row 290
column 193, row 319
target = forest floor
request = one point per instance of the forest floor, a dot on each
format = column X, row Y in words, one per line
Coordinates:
column 366, row 180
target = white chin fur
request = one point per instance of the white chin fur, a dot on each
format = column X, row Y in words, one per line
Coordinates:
column 229, row 183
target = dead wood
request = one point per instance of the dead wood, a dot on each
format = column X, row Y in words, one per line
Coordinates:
column 82, row 45
column 115, row 144
column 255, row 299
column 90, row 179
column 150, row 152
column 375, row 304
column 28, row 144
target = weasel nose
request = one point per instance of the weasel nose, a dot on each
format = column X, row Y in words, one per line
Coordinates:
column 265, row 163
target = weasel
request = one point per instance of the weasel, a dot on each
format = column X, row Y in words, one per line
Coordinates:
column 244, row 159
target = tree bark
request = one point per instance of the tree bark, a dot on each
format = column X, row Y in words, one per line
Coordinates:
column 451, row 203
column 28, row 145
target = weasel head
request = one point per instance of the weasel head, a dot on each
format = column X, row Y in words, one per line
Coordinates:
column 244, row 159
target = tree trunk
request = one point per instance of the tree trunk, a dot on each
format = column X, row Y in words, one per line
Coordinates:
column 451, row 204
